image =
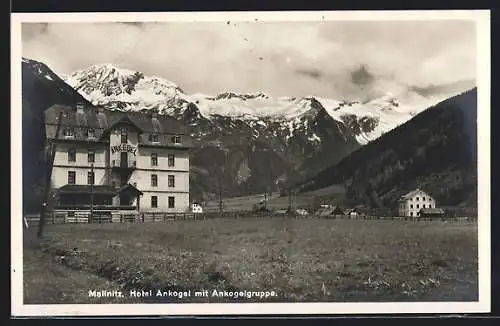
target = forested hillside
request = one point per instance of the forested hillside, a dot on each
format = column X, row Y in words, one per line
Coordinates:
column 436, row 151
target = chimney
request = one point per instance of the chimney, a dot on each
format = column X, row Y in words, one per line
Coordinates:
column 79, row 107
column 155, row 122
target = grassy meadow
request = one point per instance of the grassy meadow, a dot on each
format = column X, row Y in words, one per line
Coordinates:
column 313, row 260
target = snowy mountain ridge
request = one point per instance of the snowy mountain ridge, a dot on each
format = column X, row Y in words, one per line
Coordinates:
column 124, row 89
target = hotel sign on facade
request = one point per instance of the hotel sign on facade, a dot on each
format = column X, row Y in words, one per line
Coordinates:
column 124, row 148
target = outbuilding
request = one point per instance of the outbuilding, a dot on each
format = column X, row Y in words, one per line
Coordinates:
column 431, row 212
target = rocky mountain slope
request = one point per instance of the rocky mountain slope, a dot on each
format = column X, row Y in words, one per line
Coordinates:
column 435, row 151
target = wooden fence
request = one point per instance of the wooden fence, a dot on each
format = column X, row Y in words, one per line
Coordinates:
column 78, row 218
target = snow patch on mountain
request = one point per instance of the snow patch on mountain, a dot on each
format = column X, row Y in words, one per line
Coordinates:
column 123, row 89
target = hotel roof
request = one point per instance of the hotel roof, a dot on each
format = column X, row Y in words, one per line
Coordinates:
column 102, row 120
column 413, row 193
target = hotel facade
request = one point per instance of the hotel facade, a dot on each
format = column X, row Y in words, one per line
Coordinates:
column 411, row 204
column 119, row 161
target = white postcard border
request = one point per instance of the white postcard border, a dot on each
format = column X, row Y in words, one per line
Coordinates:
column 482, row 18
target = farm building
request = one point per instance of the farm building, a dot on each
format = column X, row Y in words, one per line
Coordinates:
column 353, row 212
column 125, row 161
column 330, row 210
column 411, row 203
column 431, row 212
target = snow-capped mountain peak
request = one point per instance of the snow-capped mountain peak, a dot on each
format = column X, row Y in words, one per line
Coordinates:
column 106, row 83
column 124, row 89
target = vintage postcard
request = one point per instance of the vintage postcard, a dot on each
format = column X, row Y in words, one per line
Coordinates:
column 250, row 163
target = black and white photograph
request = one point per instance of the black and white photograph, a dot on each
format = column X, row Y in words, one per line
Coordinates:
column 250, row 163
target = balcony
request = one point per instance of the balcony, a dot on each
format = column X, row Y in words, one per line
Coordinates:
column 123, row 164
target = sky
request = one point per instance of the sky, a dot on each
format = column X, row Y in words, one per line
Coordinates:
column 335, row 59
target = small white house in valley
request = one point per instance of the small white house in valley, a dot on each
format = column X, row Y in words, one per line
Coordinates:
column 410, row 204
column 196, row 208
column 353, row 212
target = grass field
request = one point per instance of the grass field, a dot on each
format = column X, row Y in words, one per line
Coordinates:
column 301, row 260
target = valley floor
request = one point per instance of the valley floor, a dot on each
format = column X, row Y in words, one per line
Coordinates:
column 301, row 260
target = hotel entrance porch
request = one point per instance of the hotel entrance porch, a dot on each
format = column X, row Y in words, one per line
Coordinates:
column 76, row 200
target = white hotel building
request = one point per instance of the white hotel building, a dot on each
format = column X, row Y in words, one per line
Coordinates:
column 124, row 160
column 411, row 204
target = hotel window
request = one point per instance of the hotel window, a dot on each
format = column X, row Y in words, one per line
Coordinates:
column 71, row 155
column 154, row 138
column 417, row 198
column 423, row 198
column 90, row 133
column 90, row 178
column 171, row 181
column 176, row 139
column 71, row 177
column 154, row 201
column 171, row 201
column 417, row 206
column 411, row 205
column 171, row 160
column 154, row 180
column 91, row 157
column 124, row 136
column 68, row 132
column 154, row 159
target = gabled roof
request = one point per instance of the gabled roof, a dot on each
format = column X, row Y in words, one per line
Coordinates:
column 101, row 120
column 125, row 119
column 413, row 193
column 130, row 188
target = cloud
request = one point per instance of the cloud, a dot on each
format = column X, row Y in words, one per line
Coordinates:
column 312, row 73
column 30, row 31
column 330, row 59
column 361, row 76
column 431, row 89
